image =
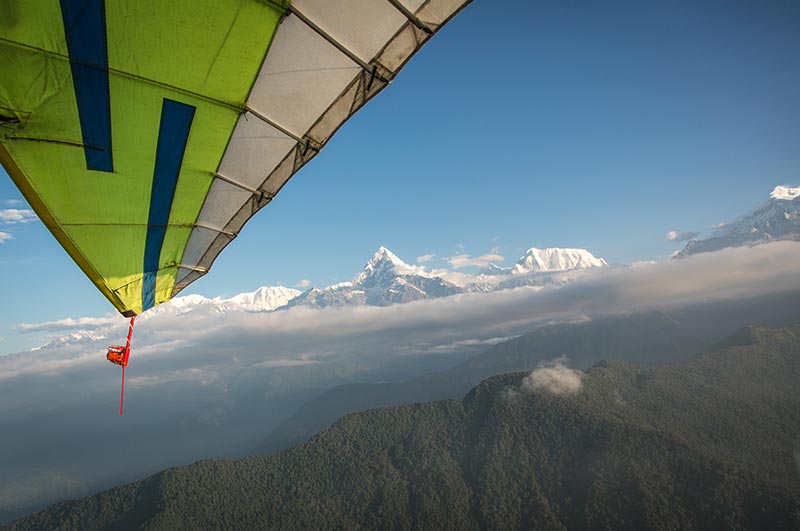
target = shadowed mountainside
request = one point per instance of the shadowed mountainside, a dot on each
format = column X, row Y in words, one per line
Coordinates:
column 655, row 337
column 708, row 444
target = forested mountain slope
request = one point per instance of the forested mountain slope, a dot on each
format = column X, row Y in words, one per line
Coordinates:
column 709, row 444
column 652, row 337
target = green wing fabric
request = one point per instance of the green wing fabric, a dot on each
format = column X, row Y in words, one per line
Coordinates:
column 146, row 134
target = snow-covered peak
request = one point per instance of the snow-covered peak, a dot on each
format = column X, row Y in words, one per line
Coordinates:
column 384, row 265
column 265, row 298
column 556, row 259
column 188, row 301
column 178, row 305
column 776, row 219
column 384, row 255
column 787, row 193
column 494, row 269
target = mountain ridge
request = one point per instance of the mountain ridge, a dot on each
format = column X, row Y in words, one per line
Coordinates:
column 549, row 260
column 659, row 337
column 621, row 453
column 776, row 219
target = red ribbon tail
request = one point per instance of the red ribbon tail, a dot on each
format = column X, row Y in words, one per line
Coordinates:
column 122, row 392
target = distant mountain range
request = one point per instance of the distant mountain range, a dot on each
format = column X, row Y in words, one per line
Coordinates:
column 549, row 260
column 265, row 298
column 777, row 219
column 710, row 444
column 386, row 279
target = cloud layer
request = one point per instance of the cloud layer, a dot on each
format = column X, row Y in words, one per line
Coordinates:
column 335, row 334
column 461, row 261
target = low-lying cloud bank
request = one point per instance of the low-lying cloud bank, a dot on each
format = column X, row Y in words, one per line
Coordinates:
column 204, row 337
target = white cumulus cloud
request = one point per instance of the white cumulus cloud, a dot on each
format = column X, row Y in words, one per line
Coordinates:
column 303, row 283
column 464, row 260
column 16, row 215
column 553, row 377
column 5, row 236
column 68, row 324
column 425, row 258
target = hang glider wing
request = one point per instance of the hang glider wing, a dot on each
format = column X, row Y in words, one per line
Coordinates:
column 146, row 134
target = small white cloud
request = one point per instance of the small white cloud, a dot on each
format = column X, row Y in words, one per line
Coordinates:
column 676, row 236
column 460, row 246
column 5, row 236
column 464, row 260
column 553, row 377
column 16, row 215
column 68, row 324
column 425, row 258
column 12, row 202
column 716, row 226
column 303, row 283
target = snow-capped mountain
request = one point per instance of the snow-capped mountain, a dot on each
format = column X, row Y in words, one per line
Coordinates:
column 777, row 219
column 265, row 298
column 547, row 260
column 385, row 280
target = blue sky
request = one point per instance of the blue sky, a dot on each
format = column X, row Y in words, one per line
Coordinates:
column 549, row 123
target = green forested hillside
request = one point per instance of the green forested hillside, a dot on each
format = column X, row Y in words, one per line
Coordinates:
column 653, row 337
column 705, row 445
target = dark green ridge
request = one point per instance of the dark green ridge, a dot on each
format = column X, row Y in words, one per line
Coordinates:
column 653, row 337
column 708, row 444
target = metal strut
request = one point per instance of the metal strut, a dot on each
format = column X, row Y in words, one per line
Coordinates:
column 411, row 16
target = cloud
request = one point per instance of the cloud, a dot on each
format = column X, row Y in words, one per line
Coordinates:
column 10, row 216
column 553, row 377
column 303, row 283
column 425, row 258
column 464, row 260
column 681, row 236
column 355, row 334
column 68, row 324
column 12, row 202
